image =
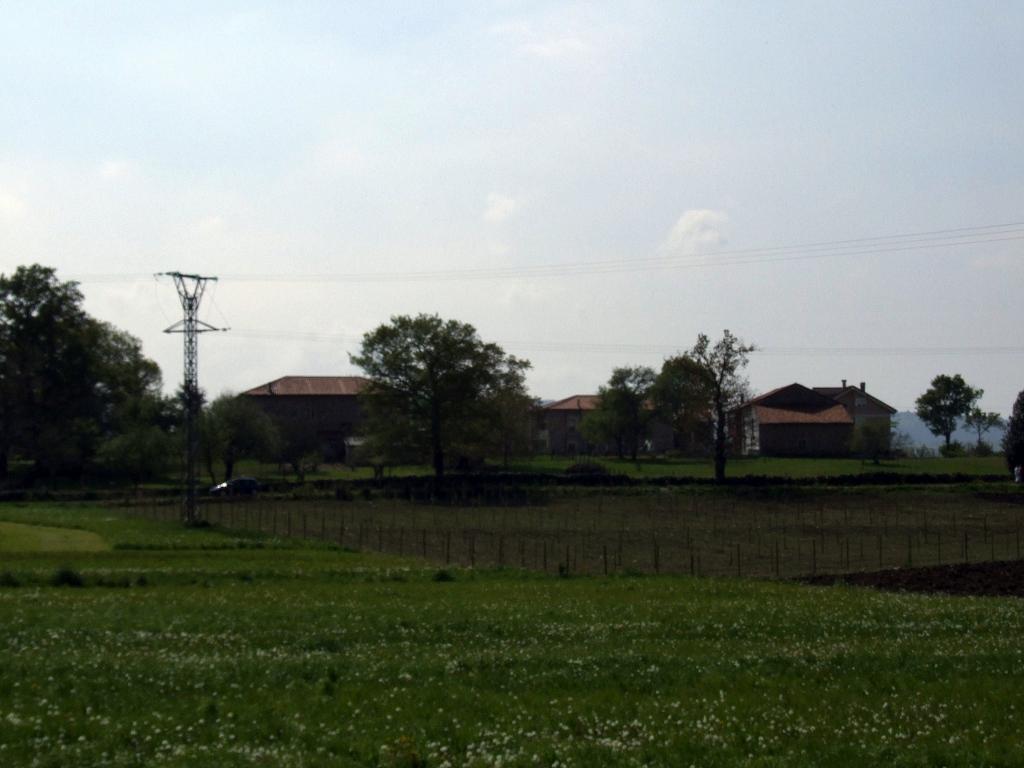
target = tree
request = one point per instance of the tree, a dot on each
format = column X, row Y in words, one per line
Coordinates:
column 948, row 400
column 63, row 374
column 623, row 411
column 1013, row 438
column 142, row 442
column 981, row 422
column 234, row 428
column 682, row 398
column 720, row 366
column 872, row 440
column 511, row 433
column 433, row 387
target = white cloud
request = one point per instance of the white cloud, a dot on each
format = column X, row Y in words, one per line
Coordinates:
column 11, row 206
column 696, row 230
column 115, row 169
column 500, row 208
column 212, row 224
column 557, row 37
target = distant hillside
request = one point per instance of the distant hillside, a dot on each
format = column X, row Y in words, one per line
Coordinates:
column 909, row 424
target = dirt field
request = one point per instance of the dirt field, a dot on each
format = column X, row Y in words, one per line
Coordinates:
column 1002, row 579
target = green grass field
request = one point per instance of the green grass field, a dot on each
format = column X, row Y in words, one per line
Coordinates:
column 200, row 647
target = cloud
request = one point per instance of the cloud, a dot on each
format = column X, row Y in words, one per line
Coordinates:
column 696, row 230
column 556, row 38
column 11, row 206
column 212, row 224
column 115, row 169
column 500, row 208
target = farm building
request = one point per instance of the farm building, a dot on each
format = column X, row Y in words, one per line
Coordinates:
column 325, row 408
column 802, row 421
column 559, row 429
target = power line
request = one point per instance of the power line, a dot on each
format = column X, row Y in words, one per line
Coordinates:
column 863, row 246
column 562, row 347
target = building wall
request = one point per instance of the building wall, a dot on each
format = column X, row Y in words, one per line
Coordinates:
column 560, row 434
column 564, row 437
column 805, row 439
column 332, row 418
column 863, row 409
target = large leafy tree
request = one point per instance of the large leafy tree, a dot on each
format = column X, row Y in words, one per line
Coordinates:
column 948, row 400
column 64, row 376
column 1013, row 438
column 434, row 387
column 682, row 398
column 234, row 428
column 624, row 410
column 980, row 422
column 719, row 365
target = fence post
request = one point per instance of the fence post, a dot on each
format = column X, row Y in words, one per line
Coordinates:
column 604, row 557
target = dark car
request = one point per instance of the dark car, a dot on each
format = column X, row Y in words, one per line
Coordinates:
column 236, row 486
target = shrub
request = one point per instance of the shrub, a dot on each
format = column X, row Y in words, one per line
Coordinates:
column 66, row 577
column 443, row 575
column 8, row 579
column 954, row 450
column 591, row 468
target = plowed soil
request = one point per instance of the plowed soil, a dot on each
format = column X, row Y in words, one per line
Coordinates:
column 1004, row 579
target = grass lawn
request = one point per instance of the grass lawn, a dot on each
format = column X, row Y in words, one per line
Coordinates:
column 18, row 537
column 224, row 650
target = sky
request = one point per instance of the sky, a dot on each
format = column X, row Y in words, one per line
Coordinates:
column 590, row 185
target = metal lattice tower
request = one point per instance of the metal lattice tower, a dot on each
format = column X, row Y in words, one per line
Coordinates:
column 190, row 291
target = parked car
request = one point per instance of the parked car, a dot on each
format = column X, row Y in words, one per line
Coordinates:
column 236, row 486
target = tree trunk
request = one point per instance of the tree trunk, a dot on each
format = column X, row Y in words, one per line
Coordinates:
column 720, row 439
column 435, row 439
column 229, row 469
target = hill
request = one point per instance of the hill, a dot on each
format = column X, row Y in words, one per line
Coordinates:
column 911, row 425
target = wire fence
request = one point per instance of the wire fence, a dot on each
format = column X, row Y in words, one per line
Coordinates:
column 702, row 535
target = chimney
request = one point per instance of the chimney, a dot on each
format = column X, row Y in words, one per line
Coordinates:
column 863, row 387
column 844, row 383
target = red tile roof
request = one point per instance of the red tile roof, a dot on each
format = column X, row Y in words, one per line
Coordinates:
column 575, row 403
column 837, row 414
column 311, row 385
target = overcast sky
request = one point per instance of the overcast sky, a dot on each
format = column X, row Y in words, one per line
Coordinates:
column 658, row 148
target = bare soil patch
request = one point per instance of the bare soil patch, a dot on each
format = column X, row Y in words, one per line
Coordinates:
column 1003, row 579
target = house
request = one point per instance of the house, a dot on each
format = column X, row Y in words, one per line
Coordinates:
column 558, row 426
column 803, row 421
column 325, row 407
column 558, row 429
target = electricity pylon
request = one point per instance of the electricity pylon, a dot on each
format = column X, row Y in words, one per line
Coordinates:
column 190, row 291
